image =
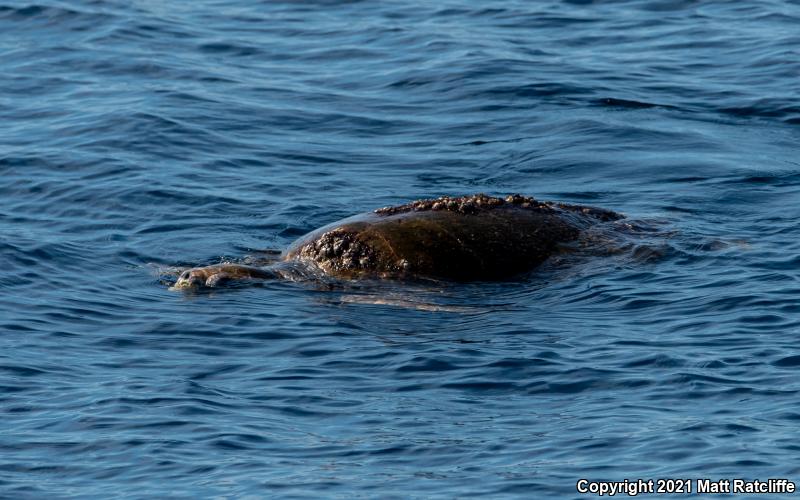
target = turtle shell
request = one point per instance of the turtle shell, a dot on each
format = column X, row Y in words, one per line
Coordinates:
column 465, row 238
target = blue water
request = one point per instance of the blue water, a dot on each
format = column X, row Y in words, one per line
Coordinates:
column 141, row 137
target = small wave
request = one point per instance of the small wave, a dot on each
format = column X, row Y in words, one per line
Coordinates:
column 230, row 48
column 786, row 111
column 625, row 103
column 57, row 17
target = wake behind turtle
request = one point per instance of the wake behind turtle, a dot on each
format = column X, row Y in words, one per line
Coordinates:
column 466, row 238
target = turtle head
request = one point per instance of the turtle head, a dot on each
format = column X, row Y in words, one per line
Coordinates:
column 191, row 278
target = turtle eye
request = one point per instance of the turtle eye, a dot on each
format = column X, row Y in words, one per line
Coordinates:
column 185, row 275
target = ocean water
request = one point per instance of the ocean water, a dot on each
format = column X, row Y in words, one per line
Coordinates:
column 142, row 137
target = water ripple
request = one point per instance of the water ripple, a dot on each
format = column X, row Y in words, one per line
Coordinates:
column 141, row 139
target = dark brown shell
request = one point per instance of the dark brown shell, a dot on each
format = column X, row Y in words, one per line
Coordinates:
column 460, row 238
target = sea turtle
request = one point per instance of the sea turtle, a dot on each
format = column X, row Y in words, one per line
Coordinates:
column 465, row 238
